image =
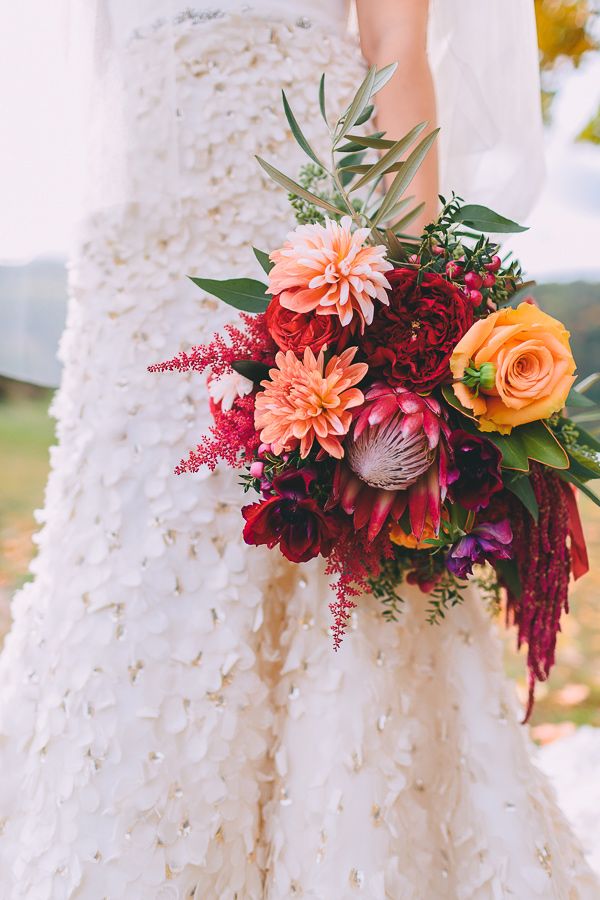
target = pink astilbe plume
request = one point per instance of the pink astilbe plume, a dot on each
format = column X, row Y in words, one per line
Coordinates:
column 544, row 563
column 353, row 561
column 232, row 438
column 233, row 435
column 253, row 342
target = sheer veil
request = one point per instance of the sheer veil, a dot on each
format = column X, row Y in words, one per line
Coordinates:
column 484, row 59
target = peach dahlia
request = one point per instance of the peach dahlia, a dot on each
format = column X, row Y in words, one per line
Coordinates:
column 306, row 401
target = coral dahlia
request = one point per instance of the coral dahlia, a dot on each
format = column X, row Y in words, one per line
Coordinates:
column 306, row 400
column 329, row 269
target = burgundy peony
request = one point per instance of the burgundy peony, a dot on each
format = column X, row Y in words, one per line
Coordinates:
column 291, row 518
column 411, row 340
column 295, row 331
column 485, row 543
column 475, row 475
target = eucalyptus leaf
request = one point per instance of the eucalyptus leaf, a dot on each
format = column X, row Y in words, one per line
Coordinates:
column 480, row 218
column 358, row 105
column 398, row 208
column 242, row 293
column 366, row 115
column 322, row 98
column 393, row 155
column 285, row 182
column 405, row 175
column 375, row 141
column 383, row 76
column 408, row 218
column 362, row 169
column 297, row 131
column 520, row 485
column 352, row 161
column 263, row 260
column 251, row 369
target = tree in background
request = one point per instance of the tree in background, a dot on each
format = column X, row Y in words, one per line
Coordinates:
column 566, row 36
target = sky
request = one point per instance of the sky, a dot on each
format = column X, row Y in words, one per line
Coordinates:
column 37, row 157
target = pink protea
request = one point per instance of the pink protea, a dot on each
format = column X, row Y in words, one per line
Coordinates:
column 331, row 270
column 307, row 400
column 396, row 456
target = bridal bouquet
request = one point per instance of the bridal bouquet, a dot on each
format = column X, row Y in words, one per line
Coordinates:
column 396, row 405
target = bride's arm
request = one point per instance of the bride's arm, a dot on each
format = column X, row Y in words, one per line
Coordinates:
column 396, row 31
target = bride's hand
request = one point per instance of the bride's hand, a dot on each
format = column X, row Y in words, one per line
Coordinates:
column 396, row 31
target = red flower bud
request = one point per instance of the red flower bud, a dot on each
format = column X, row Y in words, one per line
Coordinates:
column 489, row 280
column 475, row 297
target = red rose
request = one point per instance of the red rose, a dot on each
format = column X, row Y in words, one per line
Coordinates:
column 295, row 331
column 411, row 340
column 292, row 519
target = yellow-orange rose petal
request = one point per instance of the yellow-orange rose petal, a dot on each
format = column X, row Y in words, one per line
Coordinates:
column 534, row 367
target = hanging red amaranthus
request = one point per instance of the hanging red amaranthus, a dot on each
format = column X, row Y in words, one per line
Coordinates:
column 544, row 563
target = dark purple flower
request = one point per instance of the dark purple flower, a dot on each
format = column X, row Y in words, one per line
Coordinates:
column 291, row 518
column 485, row 543
column 475, row 475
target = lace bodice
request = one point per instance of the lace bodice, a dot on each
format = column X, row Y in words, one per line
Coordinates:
column 127, row 18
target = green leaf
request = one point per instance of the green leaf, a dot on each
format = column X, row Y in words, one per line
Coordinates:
column 322, row 98
column 263, row 259
column 242, row 293
column 405, row 175
column 520, row 485
column 358, row 105
column 392, row 156
column 352, row 161
column 587, row 383
column 453, row 401
column 285, row 182
column 576, row 400
column 509, row 573
column 514, row 455
column 541, row 445
column 572, row 479
column 297, row 131
column 251, row 369
column 363, row 169
column 581, row 466
column 383, row 76
column 408, row 218
column 397, row 208
column 358, row 142
column 366, row 115
column 480, row 218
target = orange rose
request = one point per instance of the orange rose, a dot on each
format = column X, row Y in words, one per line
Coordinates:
column 531, row 367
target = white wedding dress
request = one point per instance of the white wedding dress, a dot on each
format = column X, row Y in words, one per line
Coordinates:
column 173, row 721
